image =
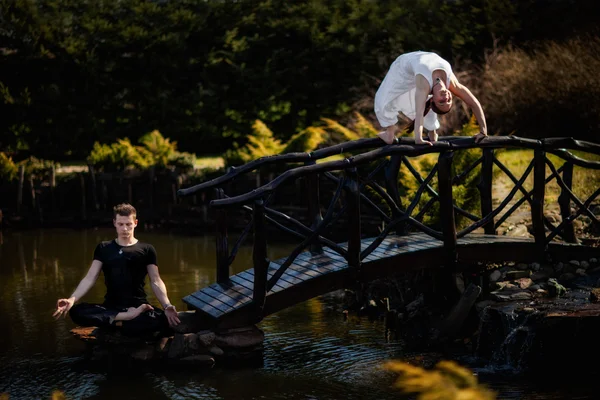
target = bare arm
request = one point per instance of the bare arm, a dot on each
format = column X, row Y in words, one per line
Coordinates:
column 160, row 291
column 64, row 305
column 465, row 95
column 420, row 99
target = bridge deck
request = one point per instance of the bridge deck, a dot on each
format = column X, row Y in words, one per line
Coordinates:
column 313, row 274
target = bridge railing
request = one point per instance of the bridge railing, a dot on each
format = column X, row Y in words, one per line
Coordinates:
column 370, row 178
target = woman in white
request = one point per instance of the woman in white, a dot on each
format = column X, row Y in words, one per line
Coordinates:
column 420, row 85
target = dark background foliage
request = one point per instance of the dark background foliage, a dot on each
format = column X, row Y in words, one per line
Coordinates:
column 73, row 72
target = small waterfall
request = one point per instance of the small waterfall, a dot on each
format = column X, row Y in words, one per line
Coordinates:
column 505, row 337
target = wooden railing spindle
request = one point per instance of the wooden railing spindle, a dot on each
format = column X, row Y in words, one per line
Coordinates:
column 537, row 205
column 485, row 189
column 564, row 201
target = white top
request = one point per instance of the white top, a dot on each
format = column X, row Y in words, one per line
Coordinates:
column 397, row 90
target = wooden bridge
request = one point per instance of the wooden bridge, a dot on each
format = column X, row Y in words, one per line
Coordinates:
column 367, row 183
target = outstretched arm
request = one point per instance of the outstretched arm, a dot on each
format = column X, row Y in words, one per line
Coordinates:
column 64, row 305
column 160, row 291
column 421, row 94
column 469, row 98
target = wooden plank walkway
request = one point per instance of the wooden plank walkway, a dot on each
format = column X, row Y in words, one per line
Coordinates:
column 314, row 274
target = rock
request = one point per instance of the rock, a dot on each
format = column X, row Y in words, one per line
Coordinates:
column 511, row 296
column 559, row 267
column 144, row 353
column 190, row 322
column 539, row 276
column 524, row 283
column 240, row 338
column 534, row 288
column 574, row 263
column 555, row 289
column 585, row 264
column 162, row 346
column 567, row 277
column 512, row 275
column 593, row 261
column 535, row 266
column 177, row 346
column 595, row 295
column 199, row 359
column 495, row 276
column 206, row 338
column 522, row 266
column 504, row 285
column 519, row 230
column 191, row 341
column 215, row 350
column 580, row 272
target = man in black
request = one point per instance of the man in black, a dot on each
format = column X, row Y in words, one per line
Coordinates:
column 125, row 262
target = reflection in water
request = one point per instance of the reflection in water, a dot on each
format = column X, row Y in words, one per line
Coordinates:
column 310, row 351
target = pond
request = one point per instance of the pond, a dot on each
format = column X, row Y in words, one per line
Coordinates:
column 311, row 350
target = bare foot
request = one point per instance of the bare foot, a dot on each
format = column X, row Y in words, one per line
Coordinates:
column 433, row 137
column 134, row 312
column 479, row 137
column 387, row 137
column 421, row 141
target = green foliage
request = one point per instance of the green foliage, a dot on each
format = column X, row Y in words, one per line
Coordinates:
column 307, row 140
column 446, row 381
column 8, row 169
column 261, row 143
column 155, row 150
column 37, row 167
column 207, row 69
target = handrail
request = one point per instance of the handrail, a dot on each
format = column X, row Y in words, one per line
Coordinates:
column 557, row 146
column 454, row 143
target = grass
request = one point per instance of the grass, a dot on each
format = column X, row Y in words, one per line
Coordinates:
column 585, row 181
column 209, row 162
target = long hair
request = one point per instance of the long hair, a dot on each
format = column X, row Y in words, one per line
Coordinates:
column 429, row 105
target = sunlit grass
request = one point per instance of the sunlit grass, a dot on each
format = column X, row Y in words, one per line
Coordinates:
column 585, row 180
column 209, row 162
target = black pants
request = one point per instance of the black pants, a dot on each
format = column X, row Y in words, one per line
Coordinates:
column 85, row 314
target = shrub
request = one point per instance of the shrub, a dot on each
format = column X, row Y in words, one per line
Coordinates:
column 155, row 150
column 8, row 169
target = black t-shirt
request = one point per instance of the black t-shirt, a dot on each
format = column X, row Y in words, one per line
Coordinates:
column 125, row 270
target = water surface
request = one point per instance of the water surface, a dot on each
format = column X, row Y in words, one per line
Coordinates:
column 311, row 352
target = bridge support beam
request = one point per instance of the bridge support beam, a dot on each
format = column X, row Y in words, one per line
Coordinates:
column 222, row 245
column 391, row 172
column 353, row 211
column 260, row 259
column 314, row 205
column 447, row 208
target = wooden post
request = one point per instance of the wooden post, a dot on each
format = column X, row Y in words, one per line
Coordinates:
column 447, row 208
column 565, row 203
column 314, row 206
column 221, row 238
column 53, row 187
column 537, row 204
column 352, row 193
column 20, row 189
column 485, row 189
column 260, row 259
column 391, row 172
column 32, row 188
column 83, row 201
column 94, row 189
